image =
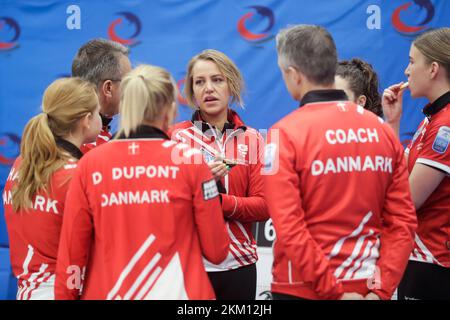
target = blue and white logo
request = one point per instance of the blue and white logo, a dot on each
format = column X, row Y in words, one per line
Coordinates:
column 208, row 156
column 442, row 140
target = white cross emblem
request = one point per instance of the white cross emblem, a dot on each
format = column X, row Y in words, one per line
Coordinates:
column 133, row 148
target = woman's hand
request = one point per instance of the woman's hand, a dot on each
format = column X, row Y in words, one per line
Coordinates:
column 218, row 169
column 392, row 103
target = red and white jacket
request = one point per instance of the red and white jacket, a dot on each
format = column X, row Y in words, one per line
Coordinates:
column 338, row 194
column 137, row 222
column 430, row 147
column 103, row 137
column 242, row 196
column 34, row 234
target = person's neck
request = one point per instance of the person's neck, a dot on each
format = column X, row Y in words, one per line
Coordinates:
column 437, row 90
column 217, row 121
column 308, row 86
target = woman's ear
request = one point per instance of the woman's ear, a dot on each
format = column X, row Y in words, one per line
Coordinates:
column 362, row 99
column 85, row 121
column 434, row 69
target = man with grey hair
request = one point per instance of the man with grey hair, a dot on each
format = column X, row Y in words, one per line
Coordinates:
column 345, row 220
column 103, row 63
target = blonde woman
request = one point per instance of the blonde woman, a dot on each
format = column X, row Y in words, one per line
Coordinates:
column 232, row 151
column 138, row 214
column 428, row 273
column 36, row 187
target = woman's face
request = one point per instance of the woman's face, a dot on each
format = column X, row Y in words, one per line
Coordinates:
column 342, row 84
column 210, row 88
column 417, row 71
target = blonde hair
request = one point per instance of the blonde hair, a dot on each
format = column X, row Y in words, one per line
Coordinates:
column 226, row 66
column 435, row 46
column 145, row 92
column 65, row 102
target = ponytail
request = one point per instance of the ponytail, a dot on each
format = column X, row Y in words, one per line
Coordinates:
column 145, row 93
column 40, row 158
column 65, row 102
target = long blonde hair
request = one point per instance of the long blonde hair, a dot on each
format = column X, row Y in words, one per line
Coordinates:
column 65, row 102
column 435, row 46
column 145, row 92
column 226, row 66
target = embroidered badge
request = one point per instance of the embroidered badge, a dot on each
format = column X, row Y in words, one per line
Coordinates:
column 210, row 189
column 208, row 156
column 442, row 140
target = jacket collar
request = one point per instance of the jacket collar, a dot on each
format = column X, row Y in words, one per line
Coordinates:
column 69, row 147
column 234, row 122
column 145, row 132
column 106, row 121
column 323, row 96
column 433, row 108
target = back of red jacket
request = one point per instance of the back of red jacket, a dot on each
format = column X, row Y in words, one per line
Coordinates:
column 137, row 221
column 34, row 233
column 338, row 194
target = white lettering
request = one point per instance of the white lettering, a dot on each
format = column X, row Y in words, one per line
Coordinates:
column 329, row 167
column 317, row 167
column 372, row 135
column 74, row 20
column 167, row 172
column 39, row 202
column 342, row 164
column 350, row 136
column 374, row 20
column 388, row 165
column 328, row 137
column 135, row 197
column 104, row 200
column 379, row 161
column 368, row 164
column 7, row 197
column 116, row 174
column 354, row 164
column 360, row 135
column 51, row 205
column 351, row 164
column 96, row 178
column 340, row 136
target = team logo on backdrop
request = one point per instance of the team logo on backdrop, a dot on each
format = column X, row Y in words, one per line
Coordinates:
column 9, row 33
column 256, row 26
column 412, row 17
column 120, row 32
column 9, row 148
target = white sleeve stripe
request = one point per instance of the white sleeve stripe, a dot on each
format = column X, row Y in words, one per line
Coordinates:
column 434, row 164
column 235, row 207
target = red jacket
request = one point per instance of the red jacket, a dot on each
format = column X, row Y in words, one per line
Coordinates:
column 430, row 147
column 242, row 196
column 136, row 223
column 338, row 194
column 34, row 233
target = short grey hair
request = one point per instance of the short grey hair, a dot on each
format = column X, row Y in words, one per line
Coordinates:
column 311, row 50
column 98, row 60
